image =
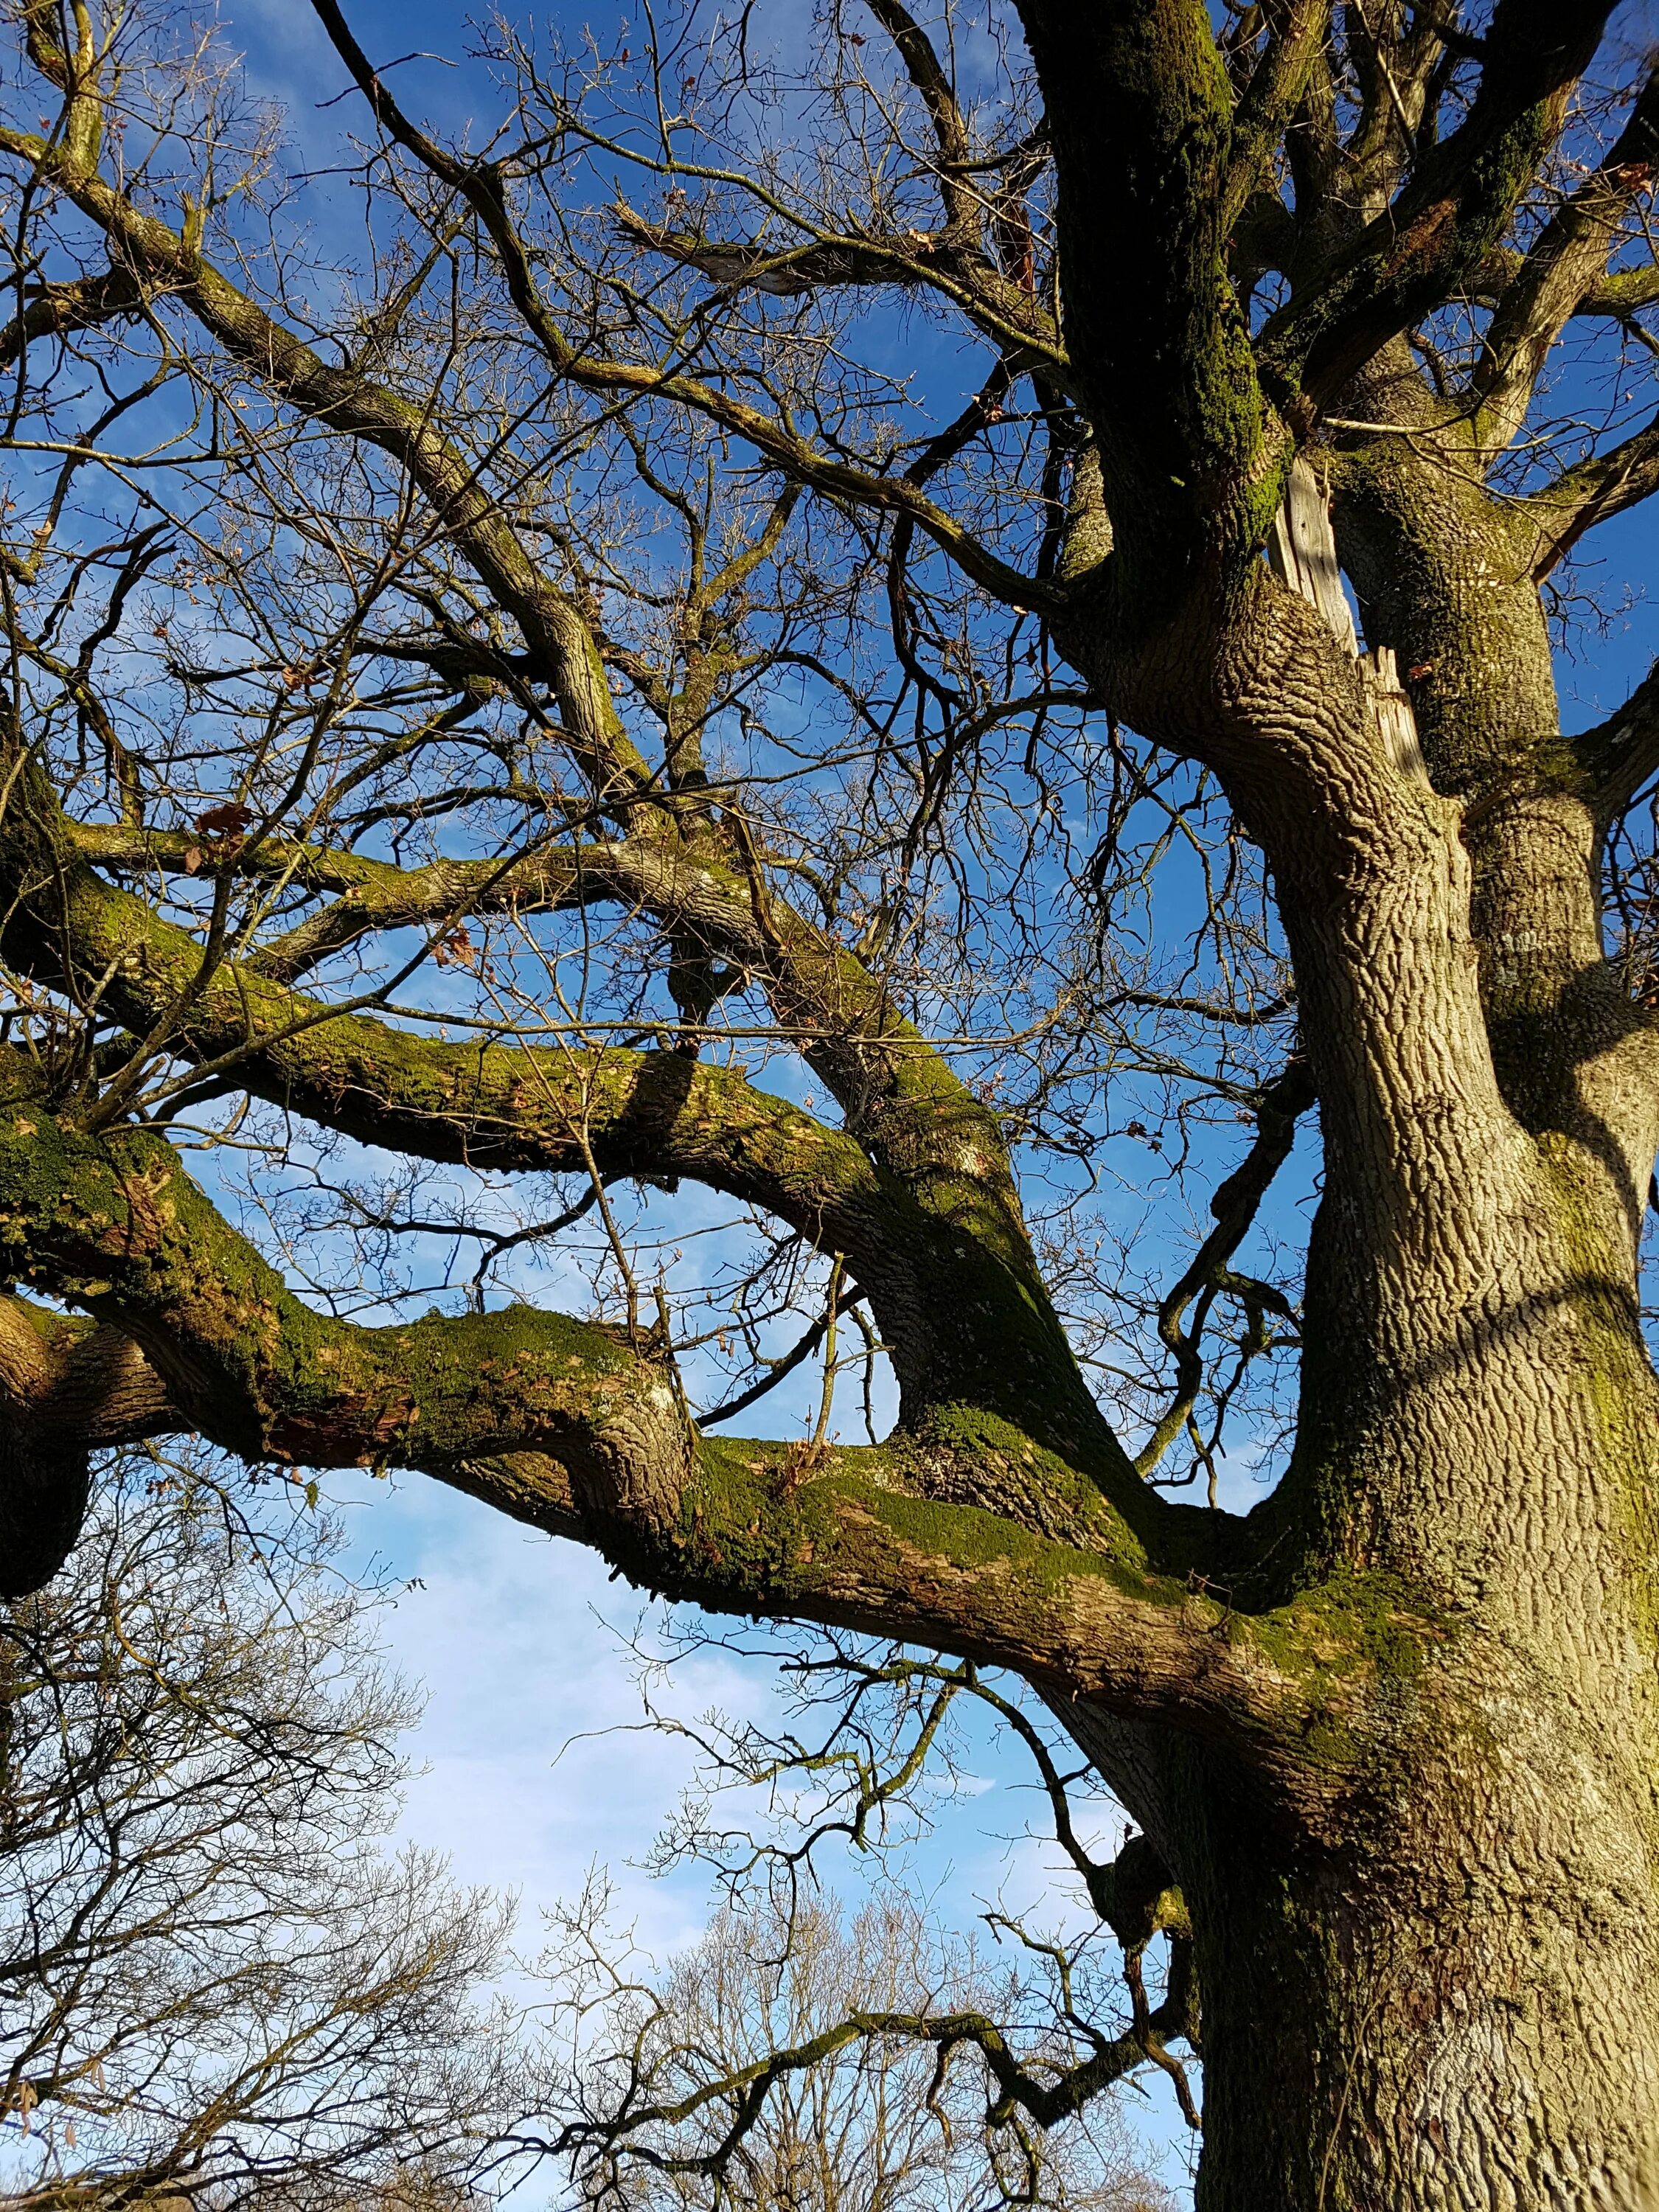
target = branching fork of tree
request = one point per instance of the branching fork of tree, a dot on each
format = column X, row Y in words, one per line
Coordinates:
column 409, row 645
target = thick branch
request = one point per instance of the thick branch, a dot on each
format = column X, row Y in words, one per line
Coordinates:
column 1275, row 91
column 496, row 1106
column 373, row 895
column 54, row 310
column 1428, row 245
column 1592, row 491
column 58, row 1372
column 559, row 1422
column 488, row 1106
column 1140, row 112
column 1619, row 755
column 66, row 1389
column 927, row 72
column 1564, row 265
column 1613, row 298
column 938, row 1195
column 117, row 1226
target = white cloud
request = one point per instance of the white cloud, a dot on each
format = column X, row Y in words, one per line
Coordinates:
column 526, row 1783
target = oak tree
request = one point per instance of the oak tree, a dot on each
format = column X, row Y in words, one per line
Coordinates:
column 543, row 705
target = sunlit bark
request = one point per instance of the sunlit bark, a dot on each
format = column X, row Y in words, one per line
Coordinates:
column 1394, row 1733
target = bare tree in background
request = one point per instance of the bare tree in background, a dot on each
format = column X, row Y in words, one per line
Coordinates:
column 801, row 2062
column 217, row 1988
column 764, row 641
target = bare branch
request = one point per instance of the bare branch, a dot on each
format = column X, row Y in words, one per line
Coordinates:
column 1593, row 490
column 1434, row 238
column 1567, row 261
column 1619, row 755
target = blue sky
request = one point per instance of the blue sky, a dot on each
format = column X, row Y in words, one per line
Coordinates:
column 517, row 1639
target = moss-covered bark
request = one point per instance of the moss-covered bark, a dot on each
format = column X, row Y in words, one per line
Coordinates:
column 918, row 1190
column 1393, row 1734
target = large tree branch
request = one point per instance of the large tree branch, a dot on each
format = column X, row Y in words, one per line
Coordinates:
column 486, row 1106
column 1276, row 89
column 560, row 1423
column 1613, row 297
column 59, row 1371
column 373, row 896
column 1592, row 491
column 67, row 1387
column 1396, row 70
column 116, row 1226
column 1430, row 243
column 922, row 65
column 1619, row 755
column 1622, row 293
column 902, row 1101
column 1565, row 262
column 1139, row 114
column 935, row 1146
column 54, row 310
column 938, row 1194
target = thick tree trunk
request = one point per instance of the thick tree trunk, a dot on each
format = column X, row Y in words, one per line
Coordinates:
column 1465, row 2014
column 1459, row 2007
column 1458, row 2004
column 1406, row 1772
column 1453, row 2001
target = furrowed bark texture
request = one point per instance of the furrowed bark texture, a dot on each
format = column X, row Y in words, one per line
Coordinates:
column 1396, row 1733
column 1456, row 2001
column 1459, row 2004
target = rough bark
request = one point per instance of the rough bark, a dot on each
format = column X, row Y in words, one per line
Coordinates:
column 1396, row 1733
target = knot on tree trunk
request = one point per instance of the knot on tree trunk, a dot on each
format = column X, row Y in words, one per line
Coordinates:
column 1138, row 1897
